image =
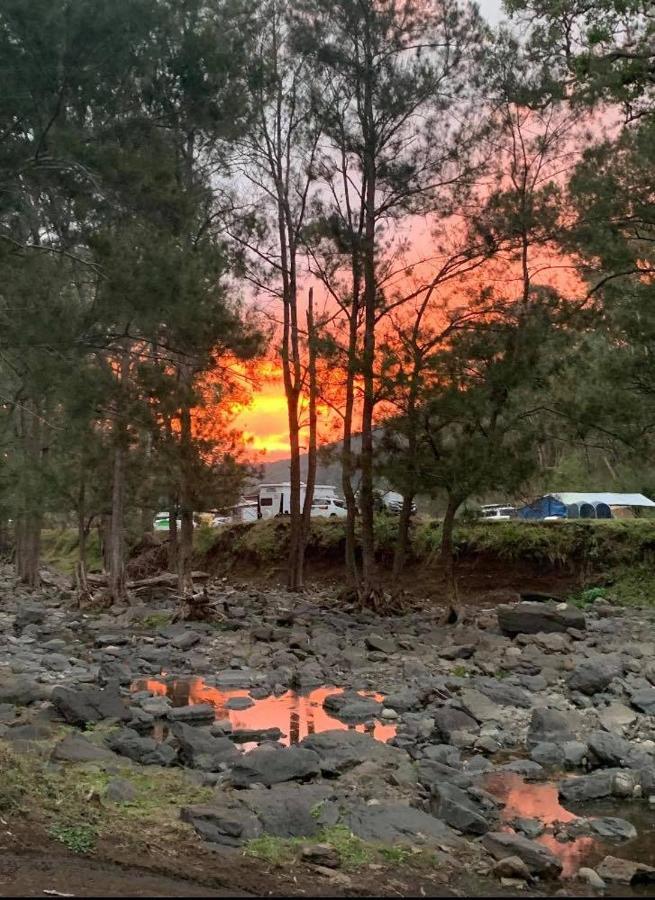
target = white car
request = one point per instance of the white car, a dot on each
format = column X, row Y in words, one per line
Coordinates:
column 329, row 506
column 498, row 513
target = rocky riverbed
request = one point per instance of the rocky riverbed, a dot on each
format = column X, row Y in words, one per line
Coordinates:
column 517, row 746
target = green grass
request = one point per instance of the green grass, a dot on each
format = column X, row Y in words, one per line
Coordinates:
column 156, row 620
column 59, row 548
column 70, row 800
column 353, row 851
column 78, row 838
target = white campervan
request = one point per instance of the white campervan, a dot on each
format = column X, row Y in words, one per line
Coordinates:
column 275, row 499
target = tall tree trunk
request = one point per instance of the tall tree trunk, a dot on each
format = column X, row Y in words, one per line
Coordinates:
column 173, row 543
column 29, row 516
column 185, row 548
column 368, row 360
column 116, row 550
column 82, row 532
column 402, row 541
column 448, row 552
column 104, row 536
column 312, row 442
column 347, row 463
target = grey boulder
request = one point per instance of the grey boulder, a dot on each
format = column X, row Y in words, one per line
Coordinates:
column 537, row 857
column 536, row 618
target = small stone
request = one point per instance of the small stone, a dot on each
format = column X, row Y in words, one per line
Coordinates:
column 592, row 878
column 321, row 855
column 388, row 713
column 120, row 790
column 512, row 867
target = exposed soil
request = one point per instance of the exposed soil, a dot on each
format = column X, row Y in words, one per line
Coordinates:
column 115, row 871
column 481, row 580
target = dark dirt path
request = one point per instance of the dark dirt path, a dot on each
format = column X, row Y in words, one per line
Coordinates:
column 36, row 874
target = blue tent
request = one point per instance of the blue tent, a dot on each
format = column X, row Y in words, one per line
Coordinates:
column 582, row 505
column 544, row 506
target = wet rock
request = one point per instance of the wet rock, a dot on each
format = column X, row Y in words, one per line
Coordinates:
column 21, row 691
column 457, row 809
column 625, row 871
column 238, row 703
column 28, row 615
column 288, row 810
column 512, row 867
column 402, row 701
column 616, row 716
column 199, row 749
column 432, row 773
column 531, row 828
column 528, row 768
column 610, row 828
column 537, row 857
column 606, row 783
column 339, row 751
column 352, row 707
column 321, row 855
column 457, row 651
column 479, row 706
column 547, row 753
column 575, row 753
column 448, row 720
column 255, row 735
column 644, row 700
column 533, row 618
column 502, row 693
column 593, row 675
column 226, row 824
column 114, row 670
column 156, row 706
column 30, row 731
column 611, row 750
column 120, row 790
column 549, row 726
column 380, row 644
column 76, row 748
column 186, row 640
column 8, row 713
column 592, row 878
column 443, row 753
column 272, row 766
column 395, row 823
column 143, row 750
column 89, row 705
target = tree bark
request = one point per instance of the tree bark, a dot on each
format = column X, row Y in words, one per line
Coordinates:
column 447, row 551
column 368, row 361
column 312, row 442
column 172, row 537
column 402, row 541
column 185, row 548
column 116, row 549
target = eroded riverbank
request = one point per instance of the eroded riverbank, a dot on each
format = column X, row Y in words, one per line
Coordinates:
column 297, row 737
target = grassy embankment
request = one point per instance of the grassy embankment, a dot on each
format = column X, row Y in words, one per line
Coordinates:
column 618, row 555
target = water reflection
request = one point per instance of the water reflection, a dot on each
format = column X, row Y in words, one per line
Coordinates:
column 297, row 715
column 540, row 801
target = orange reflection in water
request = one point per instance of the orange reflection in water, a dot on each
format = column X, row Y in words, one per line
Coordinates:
column 297, row 715
column 540, row 801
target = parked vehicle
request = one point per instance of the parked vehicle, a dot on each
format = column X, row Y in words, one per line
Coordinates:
column 161, row 522
column 497, row 513
column 275, row 499
column 329, row 506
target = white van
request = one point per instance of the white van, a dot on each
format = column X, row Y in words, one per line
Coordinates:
column 275, row 499
column 498, row 513
column 329, row 506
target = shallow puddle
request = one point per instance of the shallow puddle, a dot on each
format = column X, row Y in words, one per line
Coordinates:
column 540, row 801
column 296, row 715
